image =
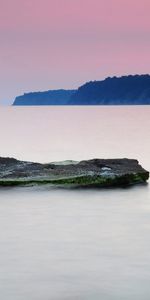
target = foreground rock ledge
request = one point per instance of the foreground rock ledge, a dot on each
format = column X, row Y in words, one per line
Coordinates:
column 87, row 173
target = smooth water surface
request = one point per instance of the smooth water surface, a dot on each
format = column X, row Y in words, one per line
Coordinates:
column 58, row 244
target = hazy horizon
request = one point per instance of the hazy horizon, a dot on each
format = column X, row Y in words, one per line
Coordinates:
column 52, row 44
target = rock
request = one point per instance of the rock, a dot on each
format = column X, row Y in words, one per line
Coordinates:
column 87, row 173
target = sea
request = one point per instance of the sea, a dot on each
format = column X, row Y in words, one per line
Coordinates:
column 58, row 244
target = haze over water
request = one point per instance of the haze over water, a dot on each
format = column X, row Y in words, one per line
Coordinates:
column 67, row 244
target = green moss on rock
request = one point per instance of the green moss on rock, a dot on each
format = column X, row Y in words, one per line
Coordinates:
column 82, row 181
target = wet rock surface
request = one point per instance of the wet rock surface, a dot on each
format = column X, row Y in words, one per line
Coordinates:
column 87, row 173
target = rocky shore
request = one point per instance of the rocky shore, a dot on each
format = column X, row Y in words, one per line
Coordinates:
column 88, row 173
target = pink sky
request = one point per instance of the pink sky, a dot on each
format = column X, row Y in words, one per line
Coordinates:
column 50, row 44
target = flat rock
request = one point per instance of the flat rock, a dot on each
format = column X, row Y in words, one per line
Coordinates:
column 86, row 173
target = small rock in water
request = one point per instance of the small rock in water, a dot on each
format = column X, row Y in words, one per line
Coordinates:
column 88, row 173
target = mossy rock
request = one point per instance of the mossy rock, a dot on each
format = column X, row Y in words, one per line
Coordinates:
column 91, row 173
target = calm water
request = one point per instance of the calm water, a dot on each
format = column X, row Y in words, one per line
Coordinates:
column 67, row 244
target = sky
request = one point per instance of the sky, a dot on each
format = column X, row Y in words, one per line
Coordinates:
column 51, row 44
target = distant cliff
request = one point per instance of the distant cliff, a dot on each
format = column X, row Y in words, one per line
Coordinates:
column 115, row 91
column 132, row 89
column 54, row 97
